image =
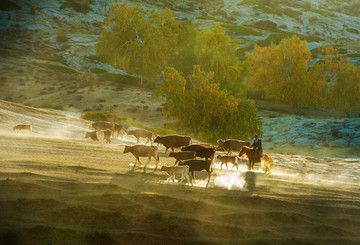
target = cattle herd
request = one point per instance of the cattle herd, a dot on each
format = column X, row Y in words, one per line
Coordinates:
column 186, row 160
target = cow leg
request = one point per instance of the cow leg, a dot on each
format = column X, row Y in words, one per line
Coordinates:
column 137, row 160
column 147, row 163
column 209, row 173
column 166, row 149
column 147, row 140
column 156, row 160
column 176, row 162
column 226, row 166
column 172, row 148
column 137, row 140
column 173, row 177
column 182, row 178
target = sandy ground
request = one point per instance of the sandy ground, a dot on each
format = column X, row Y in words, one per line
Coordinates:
column 65, row 189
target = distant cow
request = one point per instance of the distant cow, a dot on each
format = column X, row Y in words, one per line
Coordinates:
column 173, row 141
column 198, row 165
column 226, row 159
column 184, row 155
column 142, row 133
column 231, row 145
column 22, row 127
column 118, row 129
column 99, row 135
column 102, row 125
column 143, row 151
column 201, row 150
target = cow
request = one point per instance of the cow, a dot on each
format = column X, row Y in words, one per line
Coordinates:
column 173, row 170
column 22, row 127
column 99, row 135
column 226, row 159
column 142, row 133
column 198, row 165
column 183, row 155
column 231, row 145
column 102, row 125
column 143, row 151
column 173, row 141
column 201, row 150
column 118, row 129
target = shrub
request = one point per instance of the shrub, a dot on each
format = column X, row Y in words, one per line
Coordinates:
column 81, row 6
column 352, row 30
column 50, row 106
column 61, row 37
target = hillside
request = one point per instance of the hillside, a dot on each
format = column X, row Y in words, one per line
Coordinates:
column 47, row 56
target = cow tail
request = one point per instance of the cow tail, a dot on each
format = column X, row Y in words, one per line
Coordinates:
column 212, row 166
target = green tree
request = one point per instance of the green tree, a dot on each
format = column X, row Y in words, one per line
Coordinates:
column 199, row 104
column 138, row 42
column 282, row 71
column 215, row 52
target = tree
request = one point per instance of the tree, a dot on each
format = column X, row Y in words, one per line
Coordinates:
column 281, row 70
column 345, row 92
column 215, row 52
column 138, row 42
column 199, row 104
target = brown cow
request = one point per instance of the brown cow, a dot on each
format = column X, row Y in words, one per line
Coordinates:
column 143, row 151
column 22, row 127
column 184, row 155
column 173, row 141
column 99, row 135
column 226, row 159
column 141, row 133
column 102, row 125
column 201, row 150
column 231, row 145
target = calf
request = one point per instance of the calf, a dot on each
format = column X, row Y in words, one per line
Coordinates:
column 201, row 151
column 172, row 171
column 143, row 151
column 198, row 165
column 22, row 127
column 99, row 135
column 231, row 145
column 118, row 129
column 184, row 155
column 173, row 141
column 141, row 133
column 226, row 159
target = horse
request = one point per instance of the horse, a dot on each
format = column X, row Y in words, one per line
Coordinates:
column 265, row 159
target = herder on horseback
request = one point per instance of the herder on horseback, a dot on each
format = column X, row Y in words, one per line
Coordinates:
column 258, row 148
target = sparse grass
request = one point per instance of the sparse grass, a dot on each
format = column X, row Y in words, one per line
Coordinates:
column 50, row 106
column 277, row 37
column 266, row 24
column 98, row 70
column 214, row 19
column 61, row 37
column 241, row 30
column 81, row 6
column 352, row 30
column 55, row 67
column 292, row 13
column 7, row 53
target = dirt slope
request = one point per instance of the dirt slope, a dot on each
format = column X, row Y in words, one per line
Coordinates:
column 64, row 189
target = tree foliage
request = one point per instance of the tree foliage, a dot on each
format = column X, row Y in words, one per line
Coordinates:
column 283, row 71
column 136, row 41
column 199, row 104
